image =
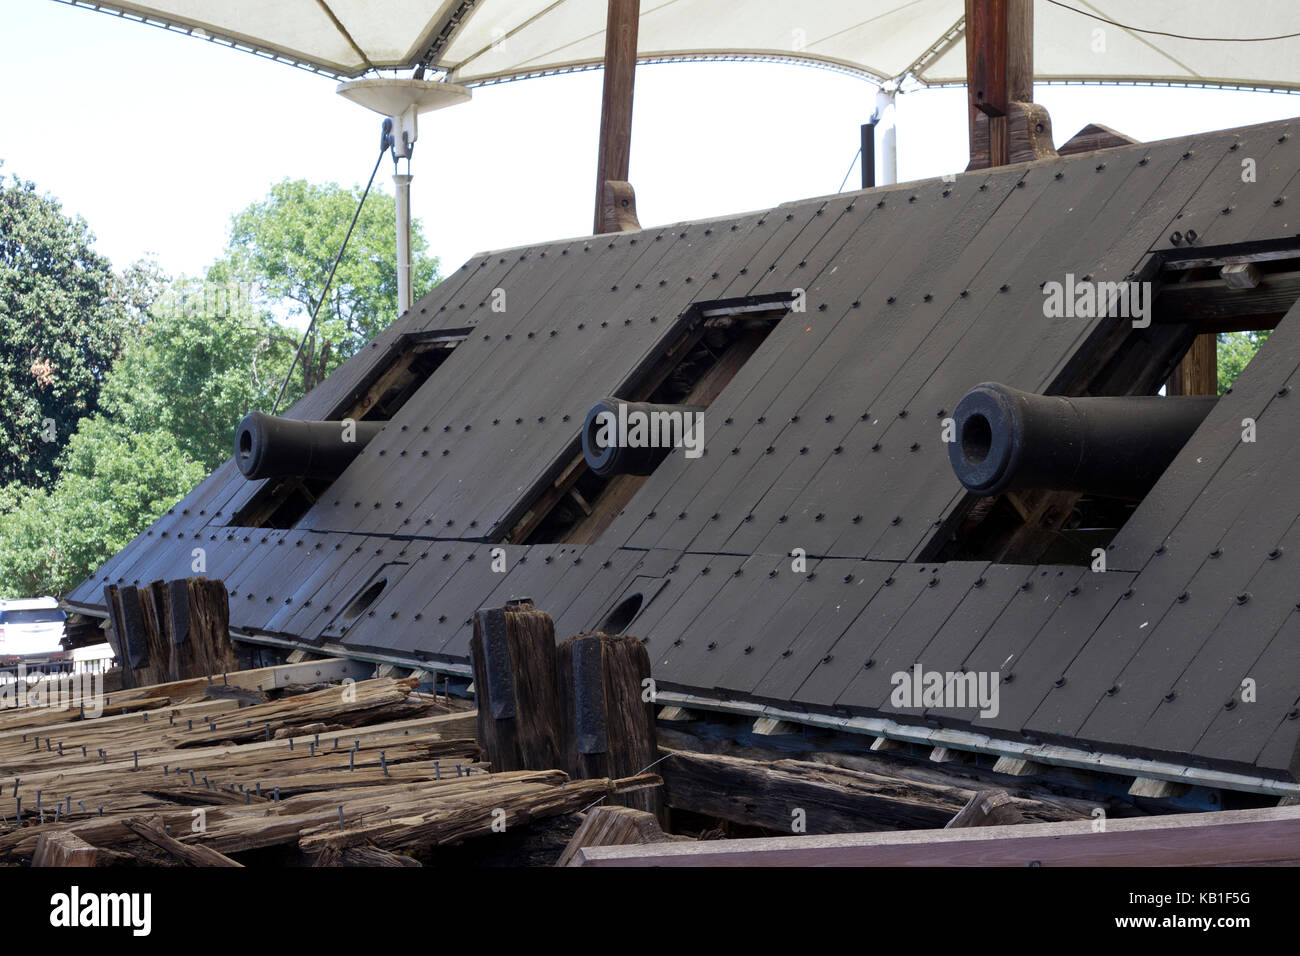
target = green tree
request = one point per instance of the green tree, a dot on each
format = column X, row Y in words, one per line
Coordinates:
column 114, row 482
column 1235, row 350
column 189, row 358
column 201, row 360
column 285, row 245
column 63, row 315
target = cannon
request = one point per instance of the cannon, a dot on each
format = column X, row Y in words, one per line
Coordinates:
column 270, row 447
column 1113, row 447
column 632, row 438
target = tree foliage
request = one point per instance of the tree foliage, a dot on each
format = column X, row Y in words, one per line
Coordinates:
column 285, row 245
column 154, row 374
column 63, row 315
column 114, row 482
column 1235, row 350
column 196, row 366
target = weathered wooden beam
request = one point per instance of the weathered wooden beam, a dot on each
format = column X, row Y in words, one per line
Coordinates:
column 616, row 102
column 127, row 634
column 948, row 755
column 1065, row 795
column 449, row 813
column 513, row 649
column 1198, row 372
column 773, row 727
column 1225, row 838
column 1020, row 50
column 986, row 56
column 61, row 848
column 614, row 826
column 832, row 799
column 619, row 214
column 1213, row 304
column 367, row 856
column 1240, row 275
column 152, row 831
column 1017, row 767
column 987, row 809
column 1155, row 788
column 1006, row 126
column 606, row 713
column 674, row 714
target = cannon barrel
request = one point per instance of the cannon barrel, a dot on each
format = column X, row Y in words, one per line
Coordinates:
column 632, row 438
column 1110, row 447
column 271, row 447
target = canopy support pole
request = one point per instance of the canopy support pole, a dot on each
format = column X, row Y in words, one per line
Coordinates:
column 887, row 134
column 869, row 153
column 1006, row 126
column 616, row 103
column 403, row 184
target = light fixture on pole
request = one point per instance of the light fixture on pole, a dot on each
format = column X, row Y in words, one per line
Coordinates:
column 403, row 100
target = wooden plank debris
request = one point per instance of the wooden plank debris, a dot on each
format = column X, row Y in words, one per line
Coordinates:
column 58, row 848
column 615, row 826
column 990, row 808
column 357, row 774
column 154, row 832
column 834, row 799
column 362, row 856
column 446, row 813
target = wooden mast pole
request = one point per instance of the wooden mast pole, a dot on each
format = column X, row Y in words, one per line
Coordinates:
column 616, row 105
column 1006, row 127
column 1005, row 124
column 986, row 75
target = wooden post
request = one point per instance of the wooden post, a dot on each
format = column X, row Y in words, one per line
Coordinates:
column 609, row 725
column 1020, row 51
column 513, row 649
column 128, row 631
column 171, row 630
column 1005, row 124
column 986, row 72
column 1198, row 372
column 616, row 103
column 204, row 649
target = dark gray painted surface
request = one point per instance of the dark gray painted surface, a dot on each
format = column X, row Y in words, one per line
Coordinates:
column 827, row 440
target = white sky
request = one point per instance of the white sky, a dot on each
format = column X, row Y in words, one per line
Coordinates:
column 158, row 138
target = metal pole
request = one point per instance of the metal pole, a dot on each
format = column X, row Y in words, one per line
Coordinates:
column 403, row 183
column 888, row 136
column 868, row 154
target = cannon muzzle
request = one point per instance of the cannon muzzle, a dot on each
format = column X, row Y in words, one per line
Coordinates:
column 271, row 447
column 1109, row 447
column 632, row 438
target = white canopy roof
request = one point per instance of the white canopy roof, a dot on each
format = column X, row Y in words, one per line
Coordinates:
column 1235, row 43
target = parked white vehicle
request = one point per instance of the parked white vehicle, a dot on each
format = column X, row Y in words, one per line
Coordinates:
column 31, row 634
